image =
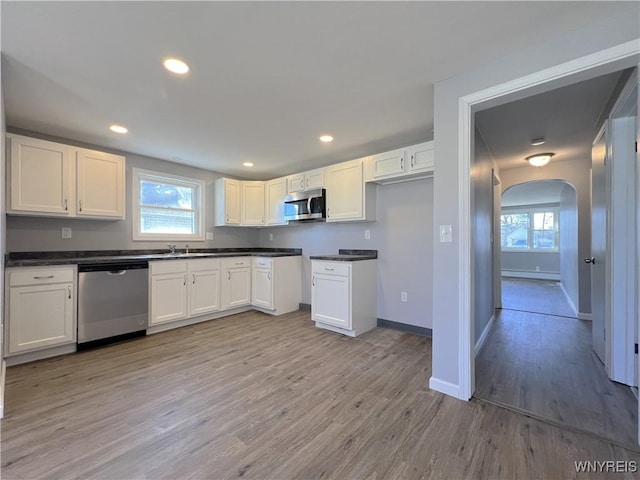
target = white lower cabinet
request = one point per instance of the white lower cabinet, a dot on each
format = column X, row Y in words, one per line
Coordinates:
column 168, row 291
column 204, row 289
column 344, row 296
column 275, row 284
column 41, row 308
column 236, row 283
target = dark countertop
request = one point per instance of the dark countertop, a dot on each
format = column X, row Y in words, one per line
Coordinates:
column 92, row 257
column 346, row 255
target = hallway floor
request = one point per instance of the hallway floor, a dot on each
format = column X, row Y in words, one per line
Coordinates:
column 535, row 296
column 544, row 365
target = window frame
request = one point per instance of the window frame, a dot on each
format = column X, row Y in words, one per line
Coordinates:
column 530, row 211
column 198, row 187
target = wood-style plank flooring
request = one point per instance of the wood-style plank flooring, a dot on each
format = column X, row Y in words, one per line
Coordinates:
column 252, row 396
column 544, row 365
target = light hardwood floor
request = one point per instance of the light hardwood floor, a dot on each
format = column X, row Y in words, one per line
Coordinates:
column 253, row 396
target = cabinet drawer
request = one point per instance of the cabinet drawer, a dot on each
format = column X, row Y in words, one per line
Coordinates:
column 262, row 262
column 237, row 262
column 204, row 264
column 36, row 276
column 331, row 268
column 168, row 266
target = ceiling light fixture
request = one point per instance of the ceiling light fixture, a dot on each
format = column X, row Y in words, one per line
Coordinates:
column 326, row 138
column 539, row 159
column 248, row 164
column 537, row 141
column 118, row 128
column 175, row 65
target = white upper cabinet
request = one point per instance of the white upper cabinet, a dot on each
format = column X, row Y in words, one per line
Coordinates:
column 408, row 163
column 421, row 158
column 100, row 184
column 228, row 202
column 52, row 179
column 275, row 190
column 310, row 180
column 253, row 204
column 348, row 197
column 388, row 163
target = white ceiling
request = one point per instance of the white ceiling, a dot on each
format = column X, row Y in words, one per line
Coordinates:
column 568, row 119
column 267, row 78
column 537, row 192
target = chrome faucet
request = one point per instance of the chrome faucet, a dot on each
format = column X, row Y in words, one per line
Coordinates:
column 186, row 248
column 172, row 248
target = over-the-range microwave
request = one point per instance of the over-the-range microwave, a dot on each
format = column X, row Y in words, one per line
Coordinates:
column 309, row 206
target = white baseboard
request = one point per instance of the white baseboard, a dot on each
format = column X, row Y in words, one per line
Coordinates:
column 585, row 316
column 447, row 388
column 485, row 334
column 533, row 275
column 566, row 295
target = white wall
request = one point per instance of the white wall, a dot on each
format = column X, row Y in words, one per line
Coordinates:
column 569, row 257
column 403, row 237
column 3, row 235
column 26, row 234
column 576, row 41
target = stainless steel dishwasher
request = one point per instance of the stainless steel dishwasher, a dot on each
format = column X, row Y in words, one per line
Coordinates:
column 112, row 301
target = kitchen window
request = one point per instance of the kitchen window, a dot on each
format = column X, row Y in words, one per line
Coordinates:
column 167, row 207
column 529, row 230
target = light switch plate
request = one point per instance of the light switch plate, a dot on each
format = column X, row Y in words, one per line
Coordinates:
column 367, row 234
column 271, row 237
column 66, row 232
column 209, row 236
column 446, row 234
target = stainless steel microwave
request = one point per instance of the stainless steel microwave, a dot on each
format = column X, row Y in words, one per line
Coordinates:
column 309, row 206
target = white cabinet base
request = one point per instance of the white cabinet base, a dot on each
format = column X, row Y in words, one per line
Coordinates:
column 163, row 327
column 41, row 354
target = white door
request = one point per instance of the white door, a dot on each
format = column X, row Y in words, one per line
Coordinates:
column 253, row 203
column 204, row 292
column 275, row 190
column 262, row 288
column 168, row 297
column 598, row 243
column 331, row 300
column 232, row 201
column 345, row 199
column 238, row 287
column 100, row 184
column 421, row 158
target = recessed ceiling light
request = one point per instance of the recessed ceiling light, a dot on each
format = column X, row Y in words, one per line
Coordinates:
column 175, row 65
column 537, row 141
column 248, row 164
column 326, row 138
column 118, row 128
column 539, row 159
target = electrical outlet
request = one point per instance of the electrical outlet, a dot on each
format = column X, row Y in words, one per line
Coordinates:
column 537, row 269
column 209, row 236
column 446, row 234
column 403, row 297
column 367, row 234
column 66, row 232
column 271, row 237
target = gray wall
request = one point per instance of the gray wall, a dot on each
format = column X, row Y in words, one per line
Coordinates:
column 620, row 25
column 526, row 262
column 569, row 259
column 403, row 237
column 482, row 179
column 577, row 173
column 44, row 234
column 3, row 228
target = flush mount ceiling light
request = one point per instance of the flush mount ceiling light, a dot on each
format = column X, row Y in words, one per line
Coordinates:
column 118, row 128
column 248, row 164
column 326, row 138
column 175, row 65
column 537, row 141
column 539, row 159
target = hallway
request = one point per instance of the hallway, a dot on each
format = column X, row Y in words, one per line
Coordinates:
column 540, row 362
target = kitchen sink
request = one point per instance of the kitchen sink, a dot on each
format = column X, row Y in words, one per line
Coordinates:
column 187, row 255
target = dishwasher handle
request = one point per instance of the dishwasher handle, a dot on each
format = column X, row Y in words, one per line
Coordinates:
column 116, row 272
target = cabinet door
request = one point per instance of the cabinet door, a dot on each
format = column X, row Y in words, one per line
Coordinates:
column 388, row 164
column 262, row 288
column 232, row 197
column 100, row 184
column 421, row 158
column 331, row 299
column 275, row 192
column 345, row 191
column 253, row 203
column 204, row 292
column 41, row 316
column 314, row 179
column 238, row 287
column 168, row 297
column 295, row 183
column 40, row 176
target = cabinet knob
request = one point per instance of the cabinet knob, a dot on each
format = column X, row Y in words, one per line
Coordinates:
column 66, row 207
column 184, row 280
column 412, row 160
column 313, row 281
column 269, row 275
column 69, row 291
column 79, row 205
column 194, row 278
